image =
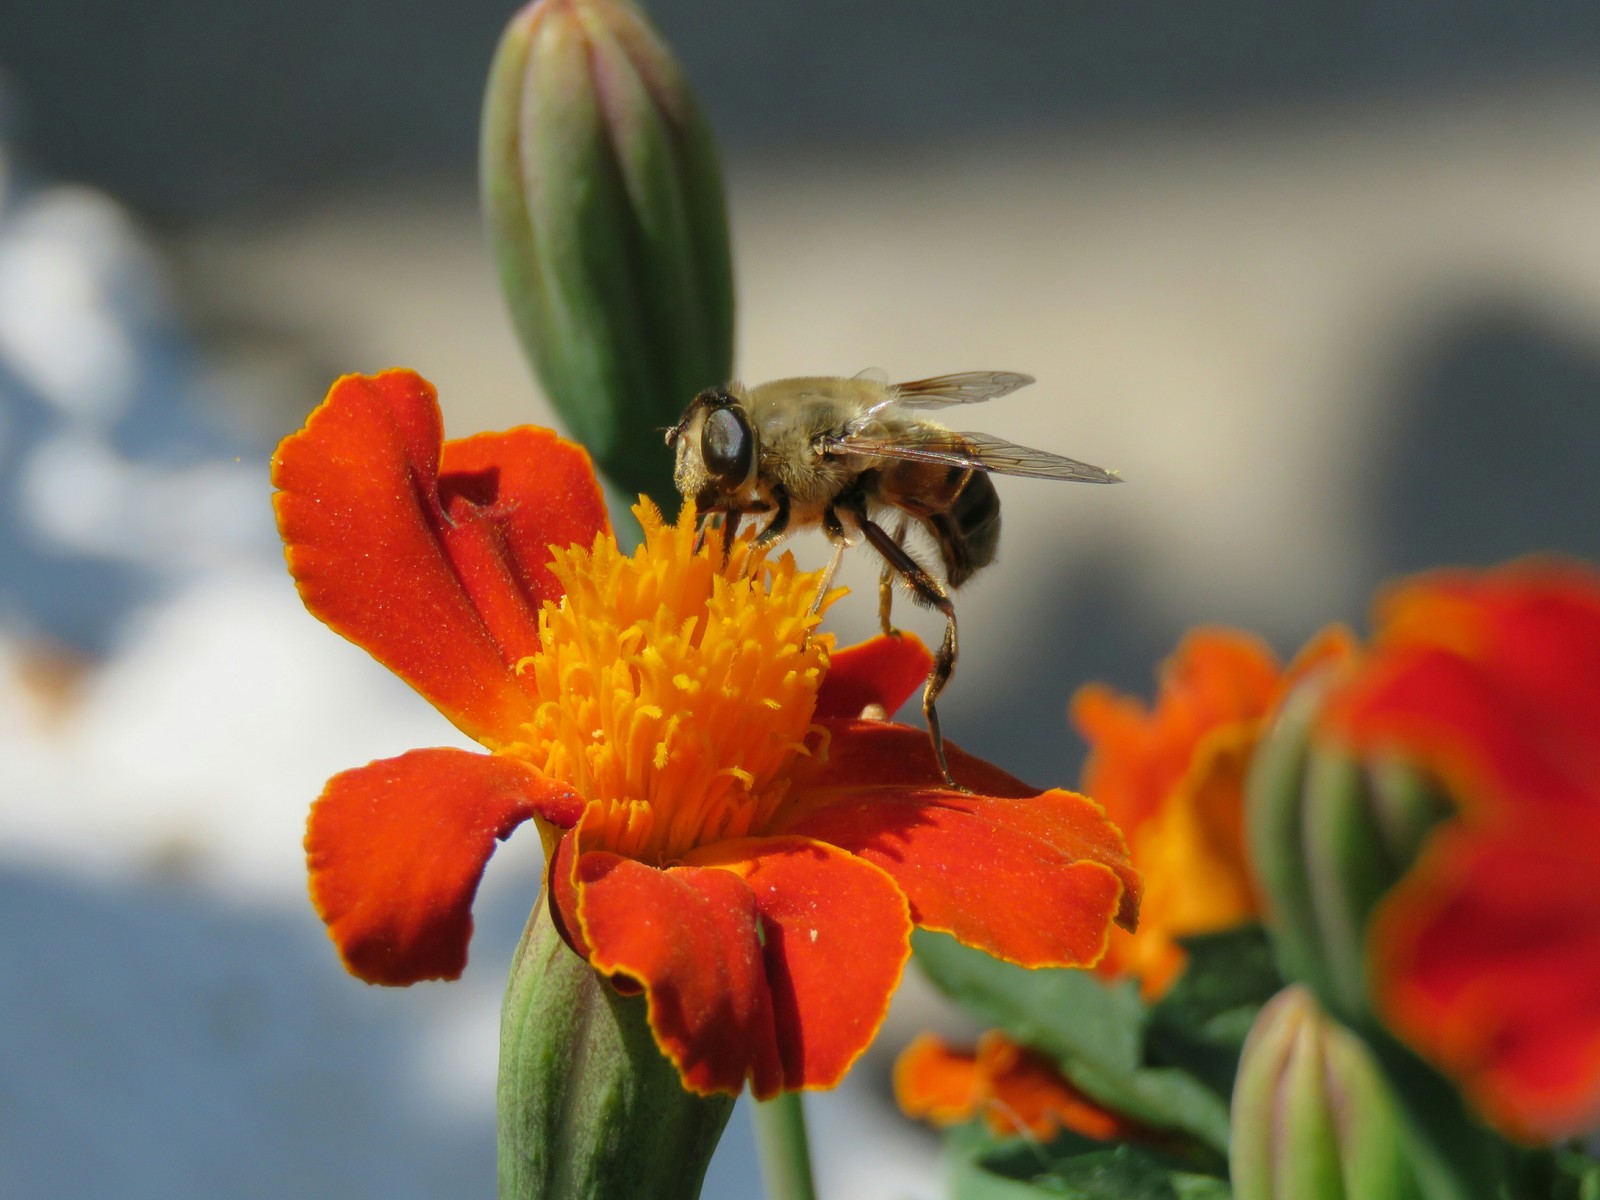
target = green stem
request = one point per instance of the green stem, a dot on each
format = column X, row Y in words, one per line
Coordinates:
column 589, row 1109
column 785, row 1150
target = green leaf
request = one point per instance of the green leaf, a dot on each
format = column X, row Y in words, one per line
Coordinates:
column 1094, row 1031
column 1078, row 1169
column 1201, row 1023
column 1455, row 1155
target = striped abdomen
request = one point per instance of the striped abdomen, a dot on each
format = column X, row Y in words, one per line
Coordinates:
column 957, row 505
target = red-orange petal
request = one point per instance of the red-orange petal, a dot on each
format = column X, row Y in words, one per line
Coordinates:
column 1033, row 878
column 1487, row 960
column 438, row 578
column 767, row 960
column 1138, row 754
column 836, row 935
column 485, row 478
column 1493, row 680
column 881, row 672
column 935, row 1083
column 688, row 936
column 395, row 851
column 1017, row 1090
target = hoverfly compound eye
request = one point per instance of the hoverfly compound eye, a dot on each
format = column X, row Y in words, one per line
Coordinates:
column 727, row 447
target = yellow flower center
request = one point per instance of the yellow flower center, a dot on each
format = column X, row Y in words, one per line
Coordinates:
column 675, row 689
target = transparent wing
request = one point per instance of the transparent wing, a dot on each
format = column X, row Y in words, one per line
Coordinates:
column 872, row 375
column 978, row 451
column 972, row 387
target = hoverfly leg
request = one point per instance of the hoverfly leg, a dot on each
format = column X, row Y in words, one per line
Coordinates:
column 702, row 524
column 779, row 525
column 931, row 592
column 730, row 529
column 833, row 527
column 827, row 576
column 886, row 586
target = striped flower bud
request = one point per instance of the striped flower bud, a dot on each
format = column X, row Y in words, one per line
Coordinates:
column 1312, row 1116
column 605, row 209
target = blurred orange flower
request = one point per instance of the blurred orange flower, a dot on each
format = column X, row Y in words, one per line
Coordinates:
column 1014, row 1089
column 723, row 833
column 1486, row 956
column 1172, row 777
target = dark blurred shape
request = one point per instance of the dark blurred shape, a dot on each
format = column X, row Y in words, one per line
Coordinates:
column 1493, row 450
column 184, row 107
column 1086, row 624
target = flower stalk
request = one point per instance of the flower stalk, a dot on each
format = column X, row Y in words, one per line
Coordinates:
column 780, row 1125
column 589, row 1108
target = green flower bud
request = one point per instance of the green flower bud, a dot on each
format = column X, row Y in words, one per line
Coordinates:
column 1329, row 835
column 589, row 1108
column 1312, row 1116
column 606, row 213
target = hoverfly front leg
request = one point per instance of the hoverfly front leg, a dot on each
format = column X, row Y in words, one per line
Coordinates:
column 703, row 522
column 932, row 593
column 779, row 525
column 730, row 530
column 834, row 529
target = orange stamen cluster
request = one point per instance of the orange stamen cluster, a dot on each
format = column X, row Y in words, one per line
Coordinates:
column 675, row 689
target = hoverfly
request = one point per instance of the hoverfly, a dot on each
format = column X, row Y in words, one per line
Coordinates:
column 856, row 454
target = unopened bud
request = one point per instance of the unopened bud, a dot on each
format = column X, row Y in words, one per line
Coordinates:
column 1313, row 1118
column 589, row 1108
column 605, row 208
column 1329, row 836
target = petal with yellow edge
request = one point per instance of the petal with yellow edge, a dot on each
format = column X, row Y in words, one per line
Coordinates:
column 1033, row 878
column 437, row 575
column 1016, row 1091
column 835, row 934
column 396, row 848
column 767, row 960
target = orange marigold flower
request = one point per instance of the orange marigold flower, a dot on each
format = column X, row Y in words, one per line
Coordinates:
column 1172, row 777
column 723, row 832
column 1015, row 1090
column 1486, row 956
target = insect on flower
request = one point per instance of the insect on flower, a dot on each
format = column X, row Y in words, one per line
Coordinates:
column 855, row 456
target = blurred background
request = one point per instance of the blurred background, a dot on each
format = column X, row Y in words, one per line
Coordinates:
column 1322, row 281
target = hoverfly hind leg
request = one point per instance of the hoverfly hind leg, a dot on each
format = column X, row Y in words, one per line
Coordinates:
column 931, row 592
column 886, row 586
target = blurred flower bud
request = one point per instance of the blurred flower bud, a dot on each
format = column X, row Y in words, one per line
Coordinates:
column 605, row 208
column 1312, row 1116
column 1329, row 836
column 589, row 1108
